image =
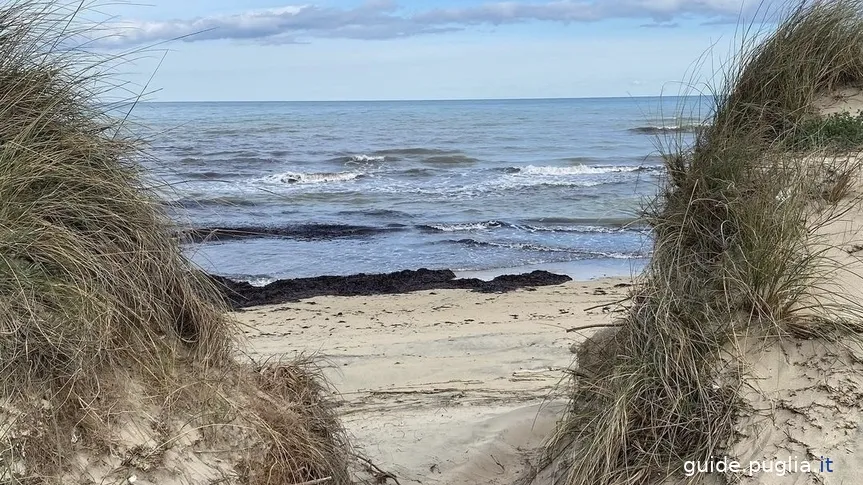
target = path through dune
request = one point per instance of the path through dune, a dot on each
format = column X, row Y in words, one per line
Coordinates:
column 447, row 386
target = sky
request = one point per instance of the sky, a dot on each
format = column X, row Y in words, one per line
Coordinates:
column 285, row 50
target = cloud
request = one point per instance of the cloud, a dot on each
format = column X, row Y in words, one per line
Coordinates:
column 384, row 19
column 567, row 11
column 660, row 25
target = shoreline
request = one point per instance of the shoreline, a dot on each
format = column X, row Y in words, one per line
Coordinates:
column 242, row 294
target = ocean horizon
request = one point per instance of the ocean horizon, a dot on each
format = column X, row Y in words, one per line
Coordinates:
column 418, row 100
column 310, row 188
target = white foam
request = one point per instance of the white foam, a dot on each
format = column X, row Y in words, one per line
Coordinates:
column 579, row 228
column 367, row 158
column 574, row 170
column 617, row 255
column 676, row 128
column 260, row 281
column 475, row 226
column 310, row 178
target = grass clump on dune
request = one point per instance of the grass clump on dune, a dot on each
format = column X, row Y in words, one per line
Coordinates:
column 734, row 251
column 816, row 49
column 106, row 327
column 838, row 131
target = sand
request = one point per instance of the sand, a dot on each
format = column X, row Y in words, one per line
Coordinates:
column 447, row 386
column 804, row 396
column 849, row 100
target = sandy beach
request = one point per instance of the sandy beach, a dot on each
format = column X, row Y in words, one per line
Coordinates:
column 445, row 386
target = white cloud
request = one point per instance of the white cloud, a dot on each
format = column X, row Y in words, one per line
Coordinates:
column 383, row 19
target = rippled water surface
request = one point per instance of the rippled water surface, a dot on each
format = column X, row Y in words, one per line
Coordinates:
column 347, row 187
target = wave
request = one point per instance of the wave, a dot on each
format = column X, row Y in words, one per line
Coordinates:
column 503, row 185
column 616, row 221
column 448, row 160
column 522, row 246
column 660, row 129
column 547, row 249
column 578, row 229
column 464, row 226
column 412, row 151
column 358, row 158
column 576, row 224
column 367, row 158
column 304, row 232
column 311, row 178
column 254, row 280
column 575, row 170
column 563, row 225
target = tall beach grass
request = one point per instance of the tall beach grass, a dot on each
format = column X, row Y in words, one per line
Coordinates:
column 735, row 251
column 104, row 321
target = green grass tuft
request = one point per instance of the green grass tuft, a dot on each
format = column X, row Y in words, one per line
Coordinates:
column 839, row 132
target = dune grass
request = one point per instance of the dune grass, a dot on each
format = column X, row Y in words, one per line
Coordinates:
column 734, row 249
column 103, row 316
column 840, row 132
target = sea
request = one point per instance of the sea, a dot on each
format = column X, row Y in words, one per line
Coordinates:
column 480, row 187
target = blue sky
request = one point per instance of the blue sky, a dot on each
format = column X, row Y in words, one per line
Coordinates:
column 421, row 49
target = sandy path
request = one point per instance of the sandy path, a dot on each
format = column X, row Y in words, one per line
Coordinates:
column 445, row 386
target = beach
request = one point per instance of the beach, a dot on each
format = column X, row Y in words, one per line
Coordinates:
column 443, row 386
column 427, row 289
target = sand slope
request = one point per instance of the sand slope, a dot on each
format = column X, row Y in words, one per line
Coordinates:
column 447, row 386
column 804, row 404
column 805, row 396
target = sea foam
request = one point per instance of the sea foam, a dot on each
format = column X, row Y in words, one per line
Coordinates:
column 311, row 178
column 575, row 170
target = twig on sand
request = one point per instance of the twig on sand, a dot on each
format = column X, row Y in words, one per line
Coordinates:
column 618, row 302
column 380, row 475
column 596, row 325
column 498, row 463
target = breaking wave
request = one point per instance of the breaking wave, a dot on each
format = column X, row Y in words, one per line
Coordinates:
column 412, row 151
column 359, row 158
column 466, row 226
column 311, row 178
column 660, row 129
column 576, row 170
column 581, row 227
column 543, row 248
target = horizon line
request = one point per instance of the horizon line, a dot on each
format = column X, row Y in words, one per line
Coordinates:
column 409, row 100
